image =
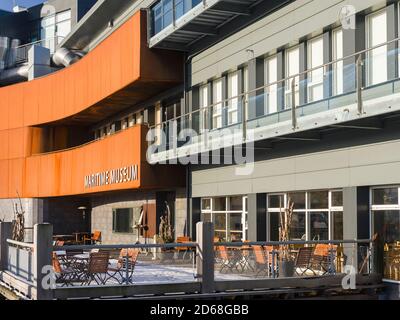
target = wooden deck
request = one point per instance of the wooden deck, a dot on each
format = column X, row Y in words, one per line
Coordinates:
column 287, row 288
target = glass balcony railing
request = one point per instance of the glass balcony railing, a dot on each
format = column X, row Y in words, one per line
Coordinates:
column 166, row 12
column 357, row 80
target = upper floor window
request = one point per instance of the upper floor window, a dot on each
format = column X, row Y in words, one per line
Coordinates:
column 292, row 67
column 377, row 58
column 316, row 77
column 162, row 13
column 54, row 28
column 203, row 93
column 233, row 96
column 217, row 104
column 337, row 48
column 271, row 89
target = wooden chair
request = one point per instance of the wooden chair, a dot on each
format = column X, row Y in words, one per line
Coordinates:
column 225, row 259
column 323, row 258
column 263, row 259
column 97, row 268
column 94, row 239
column 303, row 261
column 64, row 275
column 184, row 249
column 125, row 268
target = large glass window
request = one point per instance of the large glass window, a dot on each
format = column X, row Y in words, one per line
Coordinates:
column 217, row 104
column 292, row 69
column 54, row 28
column 124, row 219
column 377, row 58
column 385, row 220
column 318, row 215
column 162, row 12
column 337, row 47
column 203, row 106
column 233, row 96
column 229, row 215
column 271, row 90
column 316, row 77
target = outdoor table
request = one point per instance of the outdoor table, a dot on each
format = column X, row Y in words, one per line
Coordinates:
column 242, row 255
column 80, row 235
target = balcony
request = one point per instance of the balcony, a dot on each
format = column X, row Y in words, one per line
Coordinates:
column 308, row 104
column 176, row 24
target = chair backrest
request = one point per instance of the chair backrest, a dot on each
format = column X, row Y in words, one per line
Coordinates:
column 183, row 239
column 132, row 255
column 56, row 263
column 259, row 254
column 71, row 253
column 98, row 262
column 223, row 252
column 96, row 236
column 304, row 256
column 324, row 249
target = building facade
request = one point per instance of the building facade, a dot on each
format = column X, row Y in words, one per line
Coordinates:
column 225, row 110
column 64, row 158
column 305, row 89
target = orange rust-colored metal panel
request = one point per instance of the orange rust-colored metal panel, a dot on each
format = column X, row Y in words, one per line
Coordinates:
column 4, row 140
column 31, row 107
column 4, row 165
column 16, row 172
column 16, row 143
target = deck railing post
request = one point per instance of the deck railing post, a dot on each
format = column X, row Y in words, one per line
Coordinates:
column 42, row 251
column 205, row 256
column 359, row 84
column 293, row 102
column 5, row 233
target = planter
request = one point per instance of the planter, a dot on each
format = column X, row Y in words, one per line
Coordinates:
column 286, row 269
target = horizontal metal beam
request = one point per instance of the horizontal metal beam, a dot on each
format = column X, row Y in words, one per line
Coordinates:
column 355, row 127
column 197, row 28
column 233, row 8
column 297, row 138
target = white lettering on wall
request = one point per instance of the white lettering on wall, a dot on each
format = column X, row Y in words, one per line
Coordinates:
column 115, row 176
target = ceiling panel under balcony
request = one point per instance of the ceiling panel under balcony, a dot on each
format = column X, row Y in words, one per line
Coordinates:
column 201, row 21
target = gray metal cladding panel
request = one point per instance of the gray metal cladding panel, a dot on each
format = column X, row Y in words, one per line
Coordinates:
column 364, row 165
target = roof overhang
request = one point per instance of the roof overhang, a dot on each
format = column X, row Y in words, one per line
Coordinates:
column 212, row 20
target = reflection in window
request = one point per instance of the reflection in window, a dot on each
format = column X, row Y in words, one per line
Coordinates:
column 299, row 200
column 319, row 200
column 314, row 217
column 228, row 215
column 298, row 230
column 388, row 196
column 337, row 199
column 338, row 225
column 319, row 226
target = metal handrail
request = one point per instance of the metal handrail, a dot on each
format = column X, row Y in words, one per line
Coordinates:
column 244, row 95
column 39, row 41
column 293, row 242
column 20, row 244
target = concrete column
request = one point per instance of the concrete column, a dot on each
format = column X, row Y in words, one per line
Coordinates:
column 328, row 77
column 392, row 28
column 350, row 224
column 256, row 80
column 5, row 233
column 195, row 215
column 281, row 75
column 353, row 41
column 257, row 216
column 38, row 62
column 43, row 247
column 303, row 94
column 205, row 256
